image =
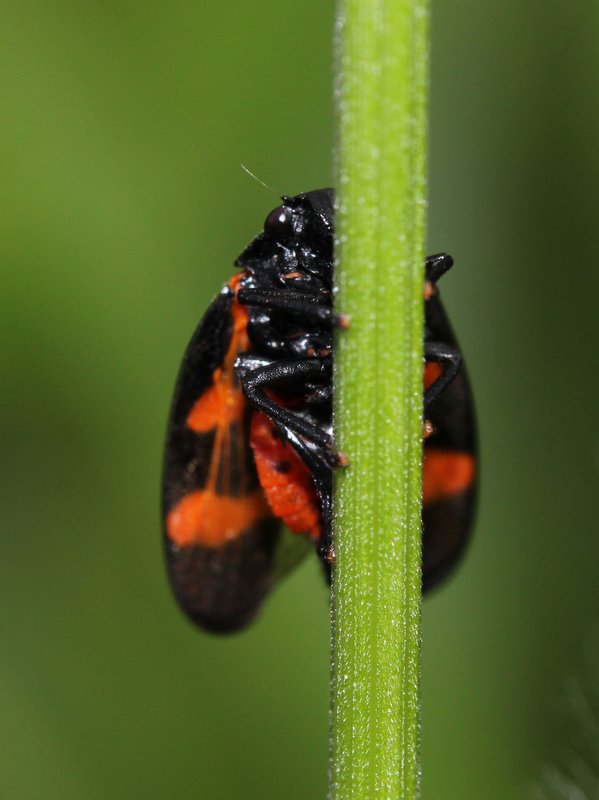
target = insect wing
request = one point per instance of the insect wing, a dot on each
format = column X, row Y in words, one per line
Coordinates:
column 449, row 469
column 220, row 535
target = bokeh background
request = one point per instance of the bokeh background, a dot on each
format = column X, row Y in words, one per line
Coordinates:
column 123, row 206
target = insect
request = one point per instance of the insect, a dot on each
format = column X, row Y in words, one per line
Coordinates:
column 249, row 441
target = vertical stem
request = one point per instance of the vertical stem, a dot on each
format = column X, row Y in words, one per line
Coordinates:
column 382, row 63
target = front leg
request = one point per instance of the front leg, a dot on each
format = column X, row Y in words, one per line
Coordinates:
column 436, row 266
column 316, row 307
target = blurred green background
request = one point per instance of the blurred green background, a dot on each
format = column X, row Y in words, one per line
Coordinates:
column 123, row 127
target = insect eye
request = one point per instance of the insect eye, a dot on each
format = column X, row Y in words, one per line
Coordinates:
column 279, row 224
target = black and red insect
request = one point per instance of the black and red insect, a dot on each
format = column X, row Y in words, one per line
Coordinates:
column 249, row 442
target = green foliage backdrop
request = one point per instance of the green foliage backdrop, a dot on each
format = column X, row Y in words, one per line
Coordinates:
column 123, row 206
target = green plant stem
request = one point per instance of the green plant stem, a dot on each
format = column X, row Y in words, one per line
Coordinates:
column 382, row 62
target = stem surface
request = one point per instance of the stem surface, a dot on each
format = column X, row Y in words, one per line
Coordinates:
column 381, row 93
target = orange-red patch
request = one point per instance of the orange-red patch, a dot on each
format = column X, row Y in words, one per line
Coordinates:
column 223, row 402
column 285, row 478
column 219, row 406
column 211, row 520
column 445, row 473
column 432, row 371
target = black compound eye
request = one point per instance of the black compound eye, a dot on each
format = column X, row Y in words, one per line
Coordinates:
column 279, row 224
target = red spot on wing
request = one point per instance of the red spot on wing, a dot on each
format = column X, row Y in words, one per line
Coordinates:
column 219, row 406
column 223, row 402
column 211, row 520
column 445, row 473
column 286, row 480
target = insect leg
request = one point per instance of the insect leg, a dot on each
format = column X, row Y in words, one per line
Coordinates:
column 255, row 379
column 315, row 306
column 317, row 463
column 312, row 444
column 436, row 266
column 441, row 353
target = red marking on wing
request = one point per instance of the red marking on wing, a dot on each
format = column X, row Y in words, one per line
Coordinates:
column 223, row 402
column 219, row 406
column 445, row 473
column 290, row 491
column 211, row 520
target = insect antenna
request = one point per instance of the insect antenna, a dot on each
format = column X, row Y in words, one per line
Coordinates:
column 257, row 179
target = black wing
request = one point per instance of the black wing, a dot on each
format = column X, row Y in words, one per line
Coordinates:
column 450, row 469
column 220, row 536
